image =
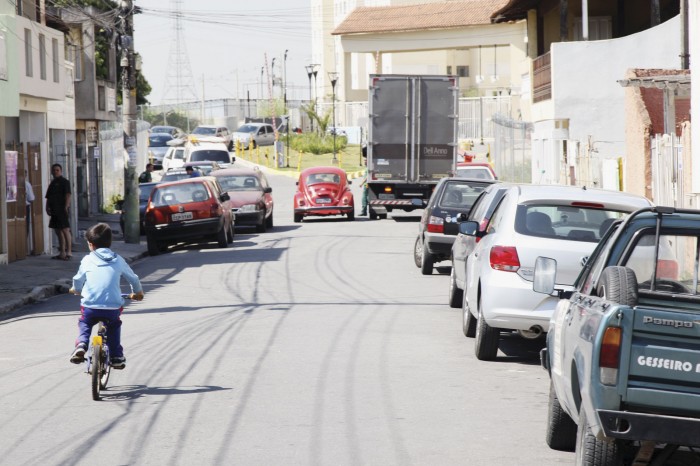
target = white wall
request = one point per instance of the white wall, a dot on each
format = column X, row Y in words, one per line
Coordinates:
column 34, row 85
column 585, row 75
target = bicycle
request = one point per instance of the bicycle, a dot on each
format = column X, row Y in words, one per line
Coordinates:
column 98, row 361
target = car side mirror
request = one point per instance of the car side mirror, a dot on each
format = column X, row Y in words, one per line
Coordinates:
column 545, row 275
column 469, row 228
column 267, row 190
column 233, row 158
column 224, row 197
column 297, row 183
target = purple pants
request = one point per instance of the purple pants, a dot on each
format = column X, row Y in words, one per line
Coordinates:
column 89, row 317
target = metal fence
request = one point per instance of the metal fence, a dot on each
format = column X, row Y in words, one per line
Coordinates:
column 511, row 152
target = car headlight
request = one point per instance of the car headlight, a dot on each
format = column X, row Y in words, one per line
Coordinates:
column 248, row 208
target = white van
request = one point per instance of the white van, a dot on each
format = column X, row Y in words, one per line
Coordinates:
column 208, row 151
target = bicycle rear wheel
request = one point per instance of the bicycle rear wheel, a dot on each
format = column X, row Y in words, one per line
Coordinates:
column 96, row 363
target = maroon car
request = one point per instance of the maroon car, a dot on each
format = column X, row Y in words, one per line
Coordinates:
column 190, row 210
column 323, row 191
column 251, row 196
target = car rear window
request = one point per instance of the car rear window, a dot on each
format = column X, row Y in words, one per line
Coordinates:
column 175, row 176
column 478, row 173
column 571, row 223
column 210, row 155
column 207, row 131
column 180, row 194
column 239, row 183
column 458, row 195
column 159, row 140
column 317, row 178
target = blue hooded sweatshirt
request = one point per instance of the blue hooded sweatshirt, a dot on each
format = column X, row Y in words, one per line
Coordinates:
column 98, row 279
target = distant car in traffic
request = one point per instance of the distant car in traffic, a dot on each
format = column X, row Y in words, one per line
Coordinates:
column 208, row 152
column 323, row 191
column 174, row 131
column 251, row 196
column 202, row 132
column 438, row 225
column 190, row 210
column 255, row 134
column 475, row 170
column 174, row 158
column 157, row 147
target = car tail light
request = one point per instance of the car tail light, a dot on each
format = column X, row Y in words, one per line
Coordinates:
column 436, row 224
column 155, row 216
column 214, row 209
column 504, row 258
column 667, row 269
column 610, row 355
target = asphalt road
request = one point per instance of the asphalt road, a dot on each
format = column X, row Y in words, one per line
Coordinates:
column 313, row 344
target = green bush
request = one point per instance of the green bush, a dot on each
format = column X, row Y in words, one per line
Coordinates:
column 311, row 143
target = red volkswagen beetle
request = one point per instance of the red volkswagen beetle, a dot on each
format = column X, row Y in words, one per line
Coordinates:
column 323, row 191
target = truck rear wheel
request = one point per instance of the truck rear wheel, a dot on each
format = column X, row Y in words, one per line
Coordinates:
column 372, row 214
column 561, row 429
column 619, row 285
column 591, row 451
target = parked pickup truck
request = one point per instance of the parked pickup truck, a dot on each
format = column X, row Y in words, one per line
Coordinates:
column 623, row 348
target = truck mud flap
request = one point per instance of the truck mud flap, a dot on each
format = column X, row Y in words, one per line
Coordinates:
column 675, row 430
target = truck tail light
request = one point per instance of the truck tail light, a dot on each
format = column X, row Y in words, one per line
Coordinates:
column 436, row 224
column 610, row 355
column 504, row 258
column 388, row 189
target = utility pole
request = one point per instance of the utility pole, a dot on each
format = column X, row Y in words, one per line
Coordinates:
column 127, row 62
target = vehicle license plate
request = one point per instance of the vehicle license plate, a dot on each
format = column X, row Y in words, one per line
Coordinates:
column 182, row 216
column 323, row 200
column 386, row 196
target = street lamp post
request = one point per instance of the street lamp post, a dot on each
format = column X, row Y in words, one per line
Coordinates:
column 272, row 68
column 333, row 76
column 311, row 71
column 284, row 76
column 262, row 76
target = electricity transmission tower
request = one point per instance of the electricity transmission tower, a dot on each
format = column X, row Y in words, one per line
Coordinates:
column 179, row 82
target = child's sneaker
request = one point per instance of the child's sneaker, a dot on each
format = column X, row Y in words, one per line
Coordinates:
column 118, row 363
column 78, row 355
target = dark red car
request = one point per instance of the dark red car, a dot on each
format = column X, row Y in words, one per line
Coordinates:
column 251, row 196
column 189, row 210
column 323, row 191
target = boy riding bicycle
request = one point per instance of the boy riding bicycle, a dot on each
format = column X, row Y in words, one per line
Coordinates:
column 97, row 281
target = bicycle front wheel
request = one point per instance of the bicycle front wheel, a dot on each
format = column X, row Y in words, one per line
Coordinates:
column 97, row 369
column 106, row 369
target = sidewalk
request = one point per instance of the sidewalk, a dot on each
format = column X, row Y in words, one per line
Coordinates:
column 38, row 277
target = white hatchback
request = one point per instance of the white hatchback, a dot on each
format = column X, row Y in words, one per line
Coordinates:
column 561, row 222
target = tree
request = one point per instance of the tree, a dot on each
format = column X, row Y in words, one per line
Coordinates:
column 170, row 118
column 322, row 121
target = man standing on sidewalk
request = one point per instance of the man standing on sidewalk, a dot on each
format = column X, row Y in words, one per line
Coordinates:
column 57, row 205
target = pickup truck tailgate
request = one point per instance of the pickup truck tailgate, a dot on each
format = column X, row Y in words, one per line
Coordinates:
column 663, row 370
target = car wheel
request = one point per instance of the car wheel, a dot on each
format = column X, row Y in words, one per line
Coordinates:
column 418, row 252
column 222, row 237
column 455, row 295
column 382, row 216
column 619, row 285
column 269, row 221
column 253, row 145
column 152, row 245
column 298, row 218
column 561, row 429
column 486, row 344
column 468, row 319
column 591, row 450
column 231, row 233
column 372, row 214
column 426, row 261
column 351, row 216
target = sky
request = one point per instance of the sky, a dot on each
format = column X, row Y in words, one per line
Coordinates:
column 226, row 43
